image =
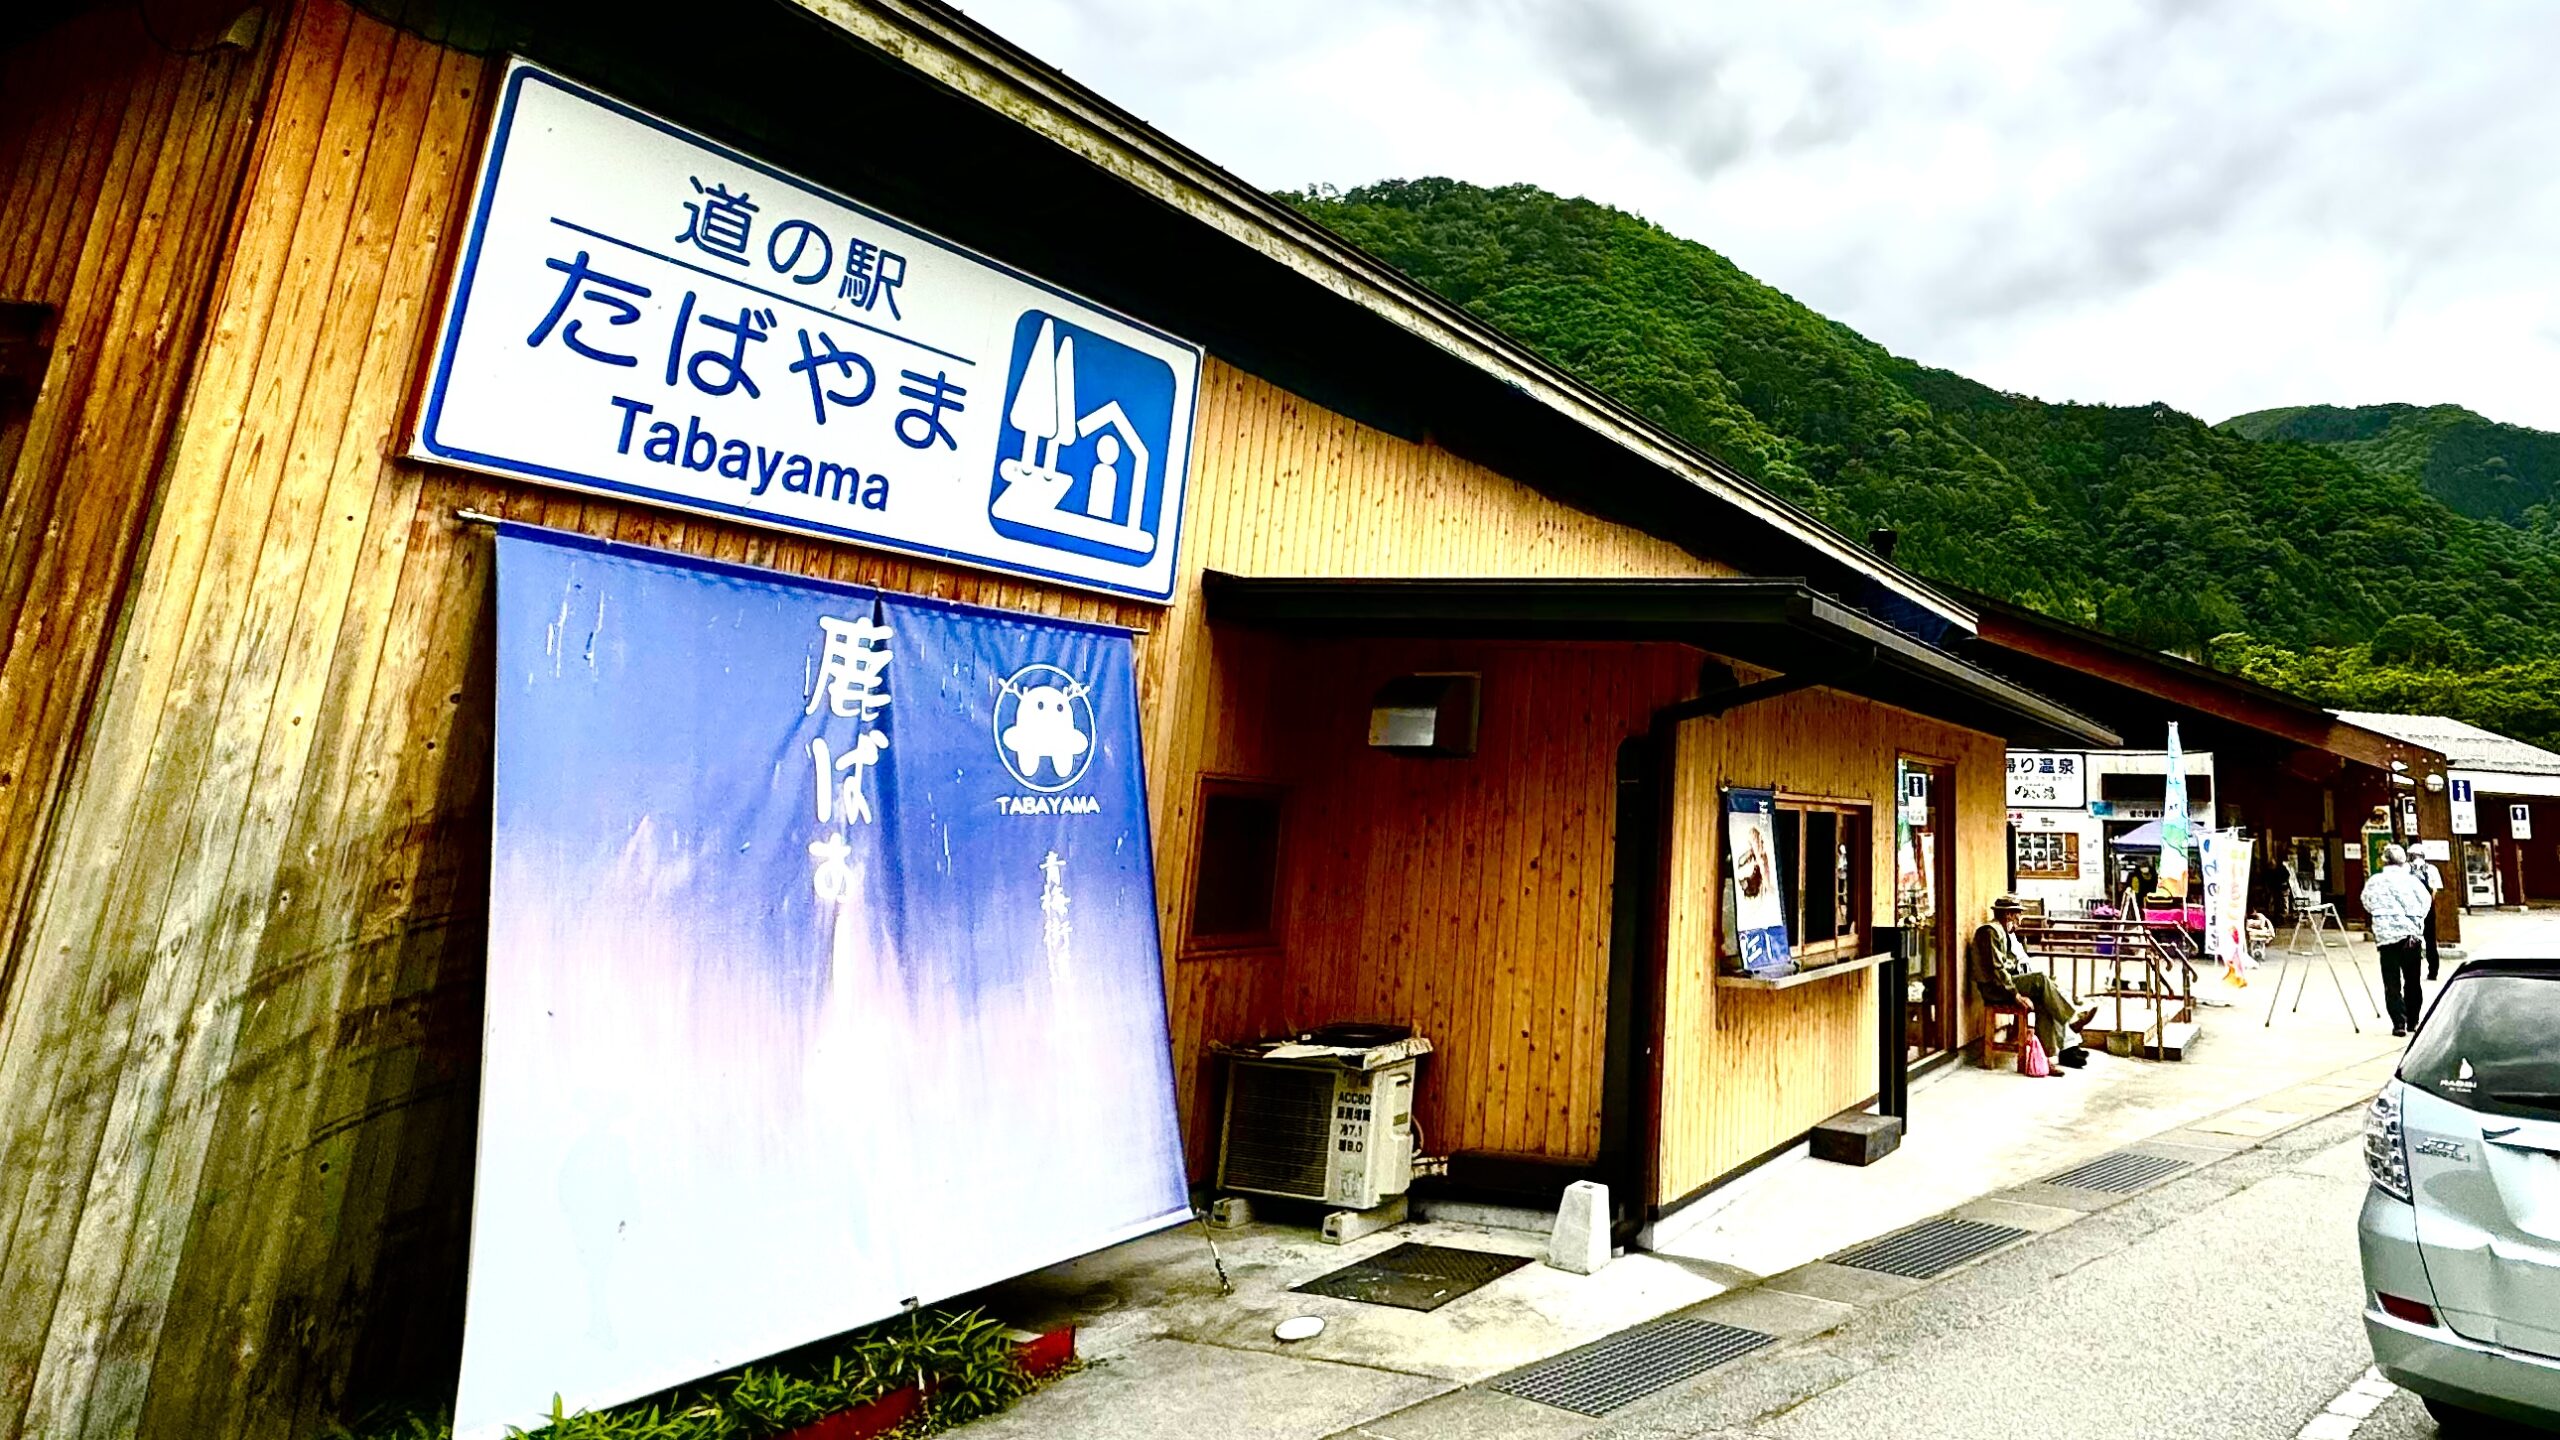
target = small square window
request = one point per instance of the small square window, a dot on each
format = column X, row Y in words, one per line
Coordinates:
column 1236, row 874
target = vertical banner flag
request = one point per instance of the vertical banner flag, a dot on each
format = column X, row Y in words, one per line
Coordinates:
column 2175, row 835
column 2226, row 885
column 1759, row 909
column 823, row 969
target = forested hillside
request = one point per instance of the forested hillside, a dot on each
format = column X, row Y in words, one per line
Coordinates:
column 2349, row 583
column 2470, row 462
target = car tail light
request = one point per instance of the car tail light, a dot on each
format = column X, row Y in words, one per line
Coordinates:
column 2409, row 1310
column 2386, row 1157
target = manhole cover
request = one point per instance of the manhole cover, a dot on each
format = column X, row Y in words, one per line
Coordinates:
column 1929, row 1249
column 2121, row 1173
column 1599, row 1378
column 1414, row 1277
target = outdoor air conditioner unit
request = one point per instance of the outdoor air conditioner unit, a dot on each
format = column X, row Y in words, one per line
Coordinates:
column 1328, row 1127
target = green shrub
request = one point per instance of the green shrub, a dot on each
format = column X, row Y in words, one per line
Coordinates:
column 966, row 1365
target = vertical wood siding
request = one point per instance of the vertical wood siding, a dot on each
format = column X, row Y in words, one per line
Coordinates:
column 119, row 163
column 238, row 1062
column 1467, row 897
column 1745, row 1071
column 1283, row 487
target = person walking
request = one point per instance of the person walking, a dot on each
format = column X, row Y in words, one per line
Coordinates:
column 2396, row 904
column 2424, row 871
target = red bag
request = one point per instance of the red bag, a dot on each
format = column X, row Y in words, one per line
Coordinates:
column 2032, row 1060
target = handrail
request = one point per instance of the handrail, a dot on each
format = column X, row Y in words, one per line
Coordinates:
column 2074, row 939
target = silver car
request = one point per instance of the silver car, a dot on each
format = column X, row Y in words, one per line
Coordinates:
column 2461, row 1229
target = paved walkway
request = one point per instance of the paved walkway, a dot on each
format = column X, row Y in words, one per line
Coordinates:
column 1173, row 1356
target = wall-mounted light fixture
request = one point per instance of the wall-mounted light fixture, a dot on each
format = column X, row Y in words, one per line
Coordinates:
column 1428, row 714
column 2435, row 784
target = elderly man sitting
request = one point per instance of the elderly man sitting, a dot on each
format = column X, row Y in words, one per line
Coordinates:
column 2005, row 976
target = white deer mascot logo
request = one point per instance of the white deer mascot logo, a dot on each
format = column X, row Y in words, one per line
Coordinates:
column 1044, row 727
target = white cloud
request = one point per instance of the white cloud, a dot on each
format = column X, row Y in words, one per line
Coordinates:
column 2223, row 207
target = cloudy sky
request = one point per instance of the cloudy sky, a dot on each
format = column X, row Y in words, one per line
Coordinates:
column 2224, row 206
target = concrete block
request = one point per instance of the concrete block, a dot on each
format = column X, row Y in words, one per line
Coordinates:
column 1230, row 1212
column 1580, row 1243
column 1341, row 1227
column 1857, row 1139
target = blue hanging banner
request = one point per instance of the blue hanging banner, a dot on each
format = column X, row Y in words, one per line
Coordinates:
column 823, row 968
column 1755, row 892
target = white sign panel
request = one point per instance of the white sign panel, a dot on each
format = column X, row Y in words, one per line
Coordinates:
column 642, row 313
column 2520, row 821
column 2042, row 779
column 2466, row 809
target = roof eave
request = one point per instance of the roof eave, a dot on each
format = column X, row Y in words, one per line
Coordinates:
column 974, row 61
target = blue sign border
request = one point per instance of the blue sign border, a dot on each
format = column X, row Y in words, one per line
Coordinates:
column 458, row 302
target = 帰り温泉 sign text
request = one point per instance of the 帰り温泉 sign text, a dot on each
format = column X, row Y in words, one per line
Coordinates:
column 642, row 313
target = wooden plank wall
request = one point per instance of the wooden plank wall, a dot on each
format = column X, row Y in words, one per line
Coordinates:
column 238, row 1068
column 1284, row 487
column 1745, row 1071
column 1468, row 897
column 119, row 165
column 238, row 1062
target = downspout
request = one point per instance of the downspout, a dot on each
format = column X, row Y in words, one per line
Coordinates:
column 1631, row 1186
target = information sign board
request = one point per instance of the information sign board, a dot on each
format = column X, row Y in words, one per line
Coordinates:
column 641, row 312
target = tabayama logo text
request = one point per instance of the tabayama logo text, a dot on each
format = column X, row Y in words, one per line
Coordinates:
column 1044, row 735
column 1088, row 429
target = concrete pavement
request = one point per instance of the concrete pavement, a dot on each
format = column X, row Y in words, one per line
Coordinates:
column 2237, row 1293
column 2221, row 1304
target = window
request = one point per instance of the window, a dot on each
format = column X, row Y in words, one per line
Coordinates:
column 2487, row 1045
column 1236, row 872
column 1823, row 863
column 2048, row 855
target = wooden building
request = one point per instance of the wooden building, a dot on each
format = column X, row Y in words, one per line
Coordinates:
column 2304, row 781
column 246, row 688
column 2505, row 798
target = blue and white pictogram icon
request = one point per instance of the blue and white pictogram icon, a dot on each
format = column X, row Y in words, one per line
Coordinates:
column 1088, row 428
column 1044, row 727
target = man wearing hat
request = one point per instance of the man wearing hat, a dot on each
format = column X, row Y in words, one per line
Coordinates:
column 2001, row 967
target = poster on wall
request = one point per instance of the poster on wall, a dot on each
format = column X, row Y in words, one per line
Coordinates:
column 640, row 311
column 2466, row 809
column 823, row 969
column 2520, row 822
column 1759, row 906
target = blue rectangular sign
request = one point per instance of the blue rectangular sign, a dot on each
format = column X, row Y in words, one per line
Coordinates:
column 641, row 312
column 823, row 968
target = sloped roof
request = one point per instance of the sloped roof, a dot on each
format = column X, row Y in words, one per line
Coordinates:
column 935, row 39
column 2464, row 746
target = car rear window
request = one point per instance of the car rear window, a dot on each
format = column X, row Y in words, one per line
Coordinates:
column 2492, row 1045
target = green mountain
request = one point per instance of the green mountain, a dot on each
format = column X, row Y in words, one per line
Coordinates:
column 2309, row 568
column 2478, row 466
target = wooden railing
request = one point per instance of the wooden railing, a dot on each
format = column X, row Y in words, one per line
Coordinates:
column 2117, row 960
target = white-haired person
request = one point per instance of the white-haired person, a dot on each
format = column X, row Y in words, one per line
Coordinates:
column 2397, row 904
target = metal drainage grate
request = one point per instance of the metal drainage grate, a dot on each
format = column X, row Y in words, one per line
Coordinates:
column 2121, row 1173
column 1414, row 1277
column 1598, row 1378
column 1929, row 1249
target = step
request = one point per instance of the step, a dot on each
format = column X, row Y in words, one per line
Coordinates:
column 2175, row 1039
